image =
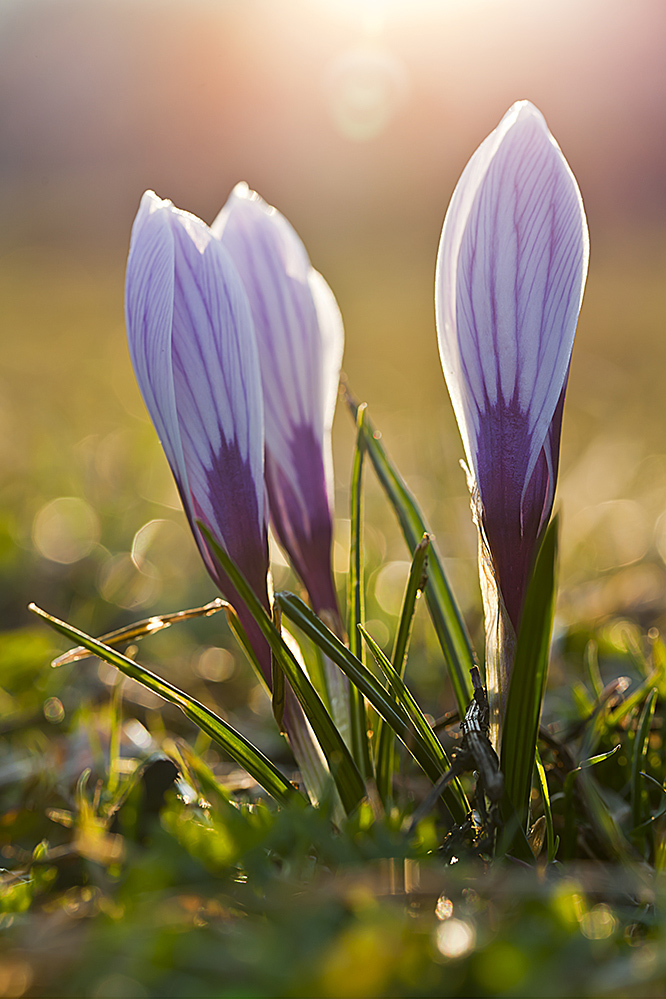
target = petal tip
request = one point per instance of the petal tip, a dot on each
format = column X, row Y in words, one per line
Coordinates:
column 151, row 203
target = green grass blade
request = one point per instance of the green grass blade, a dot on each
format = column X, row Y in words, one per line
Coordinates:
column 277, row 676
column 147, row 626
column 530, row 668
column 116, row 723
column 656, row 678
column 405, row 698
column 591, row 660
column 239, row 633
column 401, row 693
column 236, row 745
column 386, row 707
column 638, row 757
column 314, row 774
column 385, row 738
column 595, row 807
column 356, row 603
column 551, row 841
column 444, row 611
column 593, row 760
column 416, row 584
column 649, row 822
column 343, row 769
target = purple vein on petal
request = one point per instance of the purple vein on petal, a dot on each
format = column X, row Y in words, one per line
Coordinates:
column 519, row 284
column 301, row 522
column 299, row 333
column 217, row 389
column 199, row 374
column 149, row 311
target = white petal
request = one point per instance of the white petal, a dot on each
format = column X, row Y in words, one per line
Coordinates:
column 149, row 293
column 194, row 351
column 510, row 277
column 216, row 368
column 332, row 346
column 297, row 321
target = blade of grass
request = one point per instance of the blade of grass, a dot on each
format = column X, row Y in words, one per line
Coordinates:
column 569, row 834
column 277, row 675
column 416, row 584
column 657, row 815
column 311, row 767
column 552, row 842
column 356, row 603
column 393, row 713
column 385, row 739
column 638, row 758
column 236, row 745
column 405, row 698
column 591, row 660
column 526, row 687
column 239, row 633
column 636, row 696
column 444, row 611
column 114, row 740
column 147, row 626
column 199, row 773
column 317, row 673
column 607, row 830
column 343, row 769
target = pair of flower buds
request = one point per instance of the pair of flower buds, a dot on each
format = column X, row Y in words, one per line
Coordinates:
column 237, row 342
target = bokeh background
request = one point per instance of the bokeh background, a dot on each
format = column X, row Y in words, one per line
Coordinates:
column 355, row 118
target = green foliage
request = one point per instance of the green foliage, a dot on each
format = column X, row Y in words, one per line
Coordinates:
column 638, row 758
column 356, row 602
column 248, row 900
column 528, row 679
column 427, row 752
column 261, row 768
column 157, row 867
column 421, row 727
column 342, row 767
column 217, row 892
column 444, row 611
column 384, row 740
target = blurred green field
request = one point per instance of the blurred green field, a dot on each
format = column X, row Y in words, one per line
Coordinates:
column 90, row 517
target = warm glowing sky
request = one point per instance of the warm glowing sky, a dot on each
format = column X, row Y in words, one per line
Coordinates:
column 354, row 117
column 349, row 111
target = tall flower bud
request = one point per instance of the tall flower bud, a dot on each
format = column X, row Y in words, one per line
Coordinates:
column 511, row 271
column 193, row 348
column 300, row 338
column 192, row 343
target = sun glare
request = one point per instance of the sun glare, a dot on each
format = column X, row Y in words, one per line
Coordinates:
column 373, row 15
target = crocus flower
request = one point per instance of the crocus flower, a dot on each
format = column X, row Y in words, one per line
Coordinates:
column 193, row 347
column 300, row 338
column 510, row 276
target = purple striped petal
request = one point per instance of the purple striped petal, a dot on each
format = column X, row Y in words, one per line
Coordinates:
column 300, row 338
column 510, row 276
column 194, row 351
column 193, row 348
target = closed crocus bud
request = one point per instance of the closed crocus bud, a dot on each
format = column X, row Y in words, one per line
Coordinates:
column 194, row 353
column 193, row 347
column 300, row 339
column 511, row 271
